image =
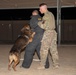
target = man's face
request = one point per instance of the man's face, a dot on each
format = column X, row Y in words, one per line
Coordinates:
column 41, row 9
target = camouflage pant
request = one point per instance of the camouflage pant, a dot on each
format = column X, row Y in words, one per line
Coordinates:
column 49, row 41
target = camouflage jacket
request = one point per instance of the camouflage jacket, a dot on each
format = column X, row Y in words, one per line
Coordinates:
column 49, row 21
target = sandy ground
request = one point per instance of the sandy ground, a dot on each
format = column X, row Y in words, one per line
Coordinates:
column 67, row 55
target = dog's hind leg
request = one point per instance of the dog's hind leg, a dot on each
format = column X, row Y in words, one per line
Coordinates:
column 16, row 62
column 10, row 62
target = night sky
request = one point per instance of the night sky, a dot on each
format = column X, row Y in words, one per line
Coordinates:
column 24, row 14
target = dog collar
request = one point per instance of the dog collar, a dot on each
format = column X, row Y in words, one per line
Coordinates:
column 26, row 36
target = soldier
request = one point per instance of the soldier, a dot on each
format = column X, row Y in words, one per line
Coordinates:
column 49, row 40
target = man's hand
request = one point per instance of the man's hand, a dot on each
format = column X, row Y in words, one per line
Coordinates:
column 43, row 21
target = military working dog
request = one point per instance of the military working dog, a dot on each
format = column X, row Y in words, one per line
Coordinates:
column 22, row 41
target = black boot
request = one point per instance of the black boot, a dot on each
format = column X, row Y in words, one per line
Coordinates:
column 47, row 63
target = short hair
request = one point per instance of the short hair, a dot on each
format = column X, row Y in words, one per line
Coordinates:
column 36, row 11
column 42, row 4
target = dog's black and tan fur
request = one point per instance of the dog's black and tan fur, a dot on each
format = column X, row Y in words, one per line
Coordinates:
column 21, row 42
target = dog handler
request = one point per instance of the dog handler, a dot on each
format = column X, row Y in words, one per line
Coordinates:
column 49, row 38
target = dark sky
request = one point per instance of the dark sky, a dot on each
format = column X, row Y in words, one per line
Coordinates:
column 24, row 14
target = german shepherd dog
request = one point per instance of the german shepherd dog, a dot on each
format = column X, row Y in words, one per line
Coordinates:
column 22, row 41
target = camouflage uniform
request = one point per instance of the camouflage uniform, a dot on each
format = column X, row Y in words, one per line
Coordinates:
column 49, row 38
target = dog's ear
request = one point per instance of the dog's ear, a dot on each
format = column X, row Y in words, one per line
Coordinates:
column 23, row 30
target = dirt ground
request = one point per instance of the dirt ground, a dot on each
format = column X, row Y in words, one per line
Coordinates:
column 67, row 55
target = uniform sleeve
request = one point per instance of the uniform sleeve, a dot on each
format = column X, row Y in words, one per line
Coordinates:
column 46, row 24
column 49, row 23
column 41, row 25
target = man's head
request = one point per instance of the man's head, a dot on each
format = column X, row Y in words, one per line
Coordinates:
column 35, row 12
column 43, row 8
